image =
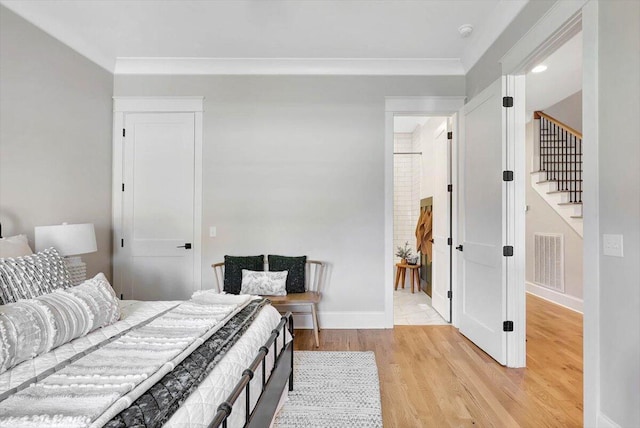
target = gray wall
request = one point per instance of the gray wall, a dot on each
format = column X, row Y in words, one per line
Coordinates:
column 295, row 165
column 568, row 111
column 55, row 137
column 488, row 67
column 619, row 185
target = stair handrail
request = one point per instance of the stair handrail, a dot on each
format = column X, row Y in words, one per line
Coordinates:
column 539, row 114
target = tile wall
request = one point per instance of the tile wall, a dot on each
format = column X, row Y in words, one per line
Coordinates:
column 407, row 179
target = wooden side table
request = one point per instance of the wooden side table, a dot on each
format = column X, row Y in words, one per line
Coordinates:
column 401, row 273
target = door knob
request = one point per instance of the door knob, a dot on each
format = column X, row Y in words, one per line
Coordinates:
column 186, row 246
column 459, row 248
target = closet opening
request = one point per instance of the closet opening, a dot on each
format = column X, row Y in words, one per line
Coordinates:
column 422, row 219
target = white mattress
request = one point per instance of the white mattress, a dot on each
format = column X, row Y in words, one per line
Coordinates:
column 198, row 410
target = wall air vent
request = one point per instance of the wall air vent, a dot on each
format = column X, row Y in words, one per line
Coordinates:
column 548, row 268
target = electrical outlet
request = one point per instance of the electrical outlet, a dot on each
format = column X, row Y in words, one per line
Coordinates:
column 213, row 232
column 612, row 245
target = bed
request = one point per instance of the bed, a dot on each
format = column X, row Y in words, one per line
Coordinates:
column 215, row 360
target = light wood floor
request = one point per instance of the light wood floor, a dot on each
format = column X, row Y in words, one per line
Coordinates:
column 432, row 376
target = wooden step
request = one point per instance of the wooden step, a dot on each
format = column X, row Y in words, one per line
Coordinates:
column 569, row 203
column 576, row 216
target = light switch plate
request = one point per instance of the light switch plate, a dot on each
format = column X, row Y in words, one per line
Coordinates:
column 612, row 245
column 213, row 232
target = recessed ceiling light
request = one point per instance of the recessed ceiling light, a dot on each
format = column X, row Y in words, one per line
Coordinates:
column 539, row 68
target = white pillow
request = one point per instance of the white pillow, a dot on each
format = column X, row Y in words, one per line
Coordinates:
column 14, row 246
column 264, row 283
column 33, row 327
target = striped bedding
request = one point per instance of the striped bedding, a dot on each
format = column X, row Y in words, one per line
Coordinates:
column 80, row 383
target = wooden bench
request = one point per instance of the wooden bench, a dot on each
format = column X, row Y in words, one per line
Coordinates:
column 309, row 299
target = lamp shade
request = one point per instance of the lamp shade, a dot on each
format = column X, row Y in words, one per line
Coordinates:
column 68, row 239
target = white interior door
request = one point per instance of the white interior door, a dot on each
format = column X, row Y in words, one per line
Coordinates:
column 483, row 275
column 158, row 205
column 441, row 209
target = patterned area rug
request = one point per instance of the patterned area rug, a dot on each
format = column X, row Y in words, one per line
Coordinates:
column 333, row 389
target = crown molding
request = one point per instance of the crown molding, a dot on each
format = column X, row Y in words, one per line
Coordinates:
column 503, row 14
column 291, row 66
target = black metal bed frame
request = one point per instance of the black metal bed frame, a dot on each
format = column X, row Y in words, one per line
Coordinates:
column 281, row 373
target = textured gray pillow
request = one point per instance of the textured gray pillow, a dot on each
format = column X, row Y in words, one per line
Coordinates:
column 33, row 327
column 32, row 276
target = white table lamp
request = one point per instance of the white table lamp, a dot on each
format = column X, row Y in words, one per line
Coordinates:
column 70, row 240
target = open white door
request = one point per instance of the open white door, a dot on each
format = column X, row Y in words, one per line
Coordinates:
column 441, row 229
column 482, row 157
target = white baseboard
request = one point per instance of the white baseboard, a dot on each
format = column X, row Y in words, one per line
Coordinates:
column 565, row 300
column 604, row 422
column 342, row 320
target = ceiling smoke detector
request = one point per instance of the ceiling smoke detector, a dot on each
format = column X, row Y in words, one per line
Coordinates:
column 465, row 30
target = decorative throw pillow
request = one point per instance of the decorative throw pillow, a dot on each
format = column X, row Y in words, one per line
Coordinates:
column 33, row 327
column 296, row 266
column 28, row 277
column 264, row 283
column 100, row 298
column 27, row 329
column 233, row 271
column 14, row 246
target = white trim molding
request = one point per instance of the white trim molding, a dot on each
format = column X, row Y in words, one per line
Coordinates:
column 605, row 422
column 556, row 298
column 343, row 320
column 591, row 212
column 396, row 106
column 291, row 66
column 158, row 104
column 561, row 22
column 433, row 105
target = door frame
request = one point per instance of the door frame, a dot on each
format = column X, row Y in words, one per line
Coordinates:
column 122, row 106
column 558, row 25
column 411, row 106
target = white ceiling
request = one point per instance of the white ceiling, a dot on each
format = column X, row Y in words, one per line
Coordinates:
column 562, row 78
column 410, row 36
column 408, row 124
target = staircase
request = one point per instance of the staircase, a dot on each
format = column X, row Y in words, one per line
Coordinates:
column 557, row 168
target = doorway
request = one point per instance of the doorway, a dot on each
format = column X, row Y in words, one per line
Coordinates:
column 157, row 197
column 554, row 162
column 422, row 220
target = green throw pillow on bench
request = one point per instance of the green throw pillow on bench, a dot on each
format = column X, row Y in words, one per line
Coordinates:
column 233, row 271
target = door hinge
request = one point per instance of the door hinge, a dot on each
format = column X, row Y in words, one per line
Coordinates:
column 507, row 326
column 123, row 187
column 449, row 241
column 507, row 175
column 507, row 101
column 449, row 187
column 122, row 243
column 449, row 135
column 123, row 132
column 449, row 294
column 507, row 251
